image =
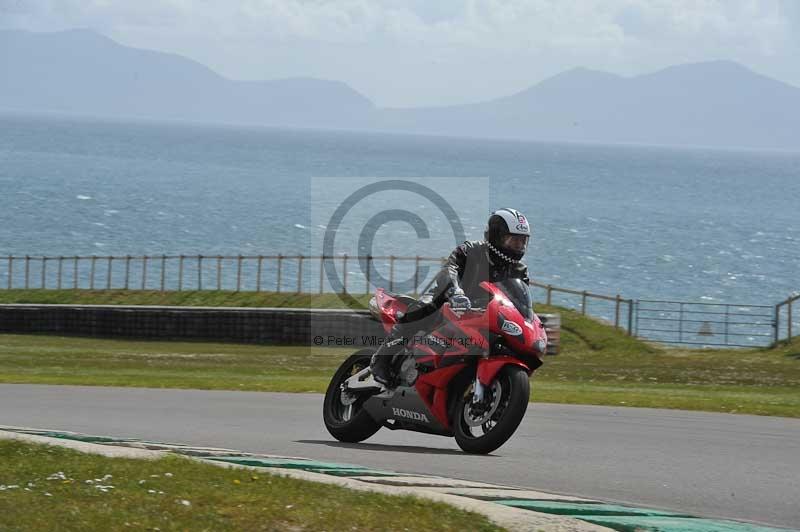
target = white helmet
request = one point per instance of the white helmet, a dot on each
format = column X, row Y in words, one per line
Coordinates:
column 502, row 224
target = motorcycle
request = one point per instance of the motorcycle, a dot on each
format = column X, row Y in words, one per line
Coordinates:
column 467, row 379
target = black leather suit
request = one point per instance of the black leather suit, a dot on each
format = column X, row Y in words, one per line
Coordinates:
column 467, row 266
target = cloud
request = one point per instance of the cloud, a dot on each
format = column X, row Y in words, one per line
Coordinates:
column 503, row 24
column 515, row 41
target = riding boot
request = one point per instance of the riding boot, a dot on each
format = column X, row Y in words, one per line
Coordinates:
column 381, row 364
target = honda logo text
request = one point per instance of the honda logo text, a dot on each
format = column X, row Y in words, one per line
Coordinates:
column 410, row 414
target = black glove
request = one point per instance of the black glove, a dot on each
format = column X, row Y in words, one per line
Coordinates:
column 459, row 302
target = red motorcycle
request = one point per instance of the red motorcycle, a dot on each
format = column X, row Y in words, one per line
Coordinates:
column 468, row 378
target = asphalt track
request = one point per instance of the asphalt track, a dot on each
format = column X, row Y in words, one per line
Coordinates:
column 711, row 465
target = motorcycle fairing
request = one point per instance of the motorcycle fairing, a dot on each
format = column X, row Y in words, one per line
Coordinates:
column 409, row 410
column 488, row 368
column 424, row 407
column 432, row 388
column 388, row 306
column 524, row 343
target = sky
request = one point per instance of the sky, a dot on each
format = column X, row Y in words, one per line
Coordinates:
column 436, row 52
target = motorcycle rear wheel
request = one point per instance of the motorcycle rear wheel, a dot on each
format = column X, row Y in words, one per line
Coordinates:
column 514, row 389
column 348, row 423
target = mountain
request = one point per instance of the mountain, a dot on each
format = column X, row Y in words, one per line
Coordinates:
column 80, row 71
column 717, row 103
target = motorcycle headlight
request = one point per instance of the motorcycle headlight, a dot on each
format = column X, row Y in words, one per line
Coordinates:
column 541, row 345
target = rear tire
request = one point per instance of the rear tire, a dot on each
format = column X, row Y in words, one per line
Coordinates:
column 514, row 395
column 356, row 425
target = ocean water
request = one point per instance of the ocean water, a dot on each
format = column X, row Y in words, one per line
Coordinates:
column 644, row 222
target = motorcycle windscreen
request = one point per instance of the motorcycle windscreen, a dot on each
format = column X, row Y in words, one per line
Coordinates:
column 520, row 295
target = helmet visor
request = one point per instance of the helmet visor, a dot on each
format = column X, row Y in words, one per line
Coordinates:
column 516, row 243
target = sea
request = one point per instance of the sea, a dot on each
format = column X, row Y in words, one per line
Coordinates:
column 651, row 222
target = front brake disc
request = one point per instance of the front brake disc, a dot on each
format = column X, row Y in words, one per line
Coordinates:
column 477, row 420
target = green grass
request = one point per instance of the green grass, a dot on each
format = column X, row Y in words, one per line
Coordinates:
column 205, row 298
column 598, row 364
column 182, row 494
column 210, row 366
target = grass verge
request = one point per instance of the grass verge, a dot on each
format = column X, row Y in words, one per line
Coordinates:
column 197, row 298
column 753, row 382
column 598, row 364
column 62, row 489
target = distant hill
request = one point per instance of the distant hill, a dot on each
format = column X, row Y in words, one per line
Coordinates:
column 718, row 103
column 81, row 71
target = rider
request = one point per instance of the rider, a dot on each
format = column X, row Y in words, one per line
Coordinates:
column 495, row 258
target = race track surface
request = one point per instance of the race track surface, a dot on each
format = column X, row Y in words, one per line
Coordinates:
column 712, row 465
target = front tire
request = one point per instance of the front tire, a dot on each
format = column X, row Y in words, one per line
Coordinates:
column 506, row 404
column 348, row 423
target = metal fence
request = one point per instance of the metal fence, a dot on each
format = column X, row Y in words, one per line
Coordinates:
column 707, row 324
column 785, row 319
column 613, row 309
column 279, row 273
column 664, row 321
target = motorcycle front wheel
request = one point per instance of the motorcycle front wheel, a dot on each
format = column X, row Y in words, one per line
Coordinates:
column 344, row 415
column 480, row 428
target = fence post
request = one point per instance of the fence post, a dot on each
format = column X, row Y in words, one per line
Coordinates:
column 91, row 272
column 321, row 268
column 108, row 273
column 680, row 323
column 280, row 268
column 127, row 271
column 239, row 273
column 258, row 273
column 180, row 273
column 369, row 269
column 144, row 272
column 616, row 312
column 630, row 317
column 10, row 270
column 44, row 272
column 300, row 274
column 776, row 325
column 789, row 320
column 27, row 270
column 199, row 272
column 74, row 273
column 344, row 267
column 163, row 271
column 60, row 269
column 219, row 272
column 391, row 273
column 727, row 319
column 549, row 294
column 583, row 303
